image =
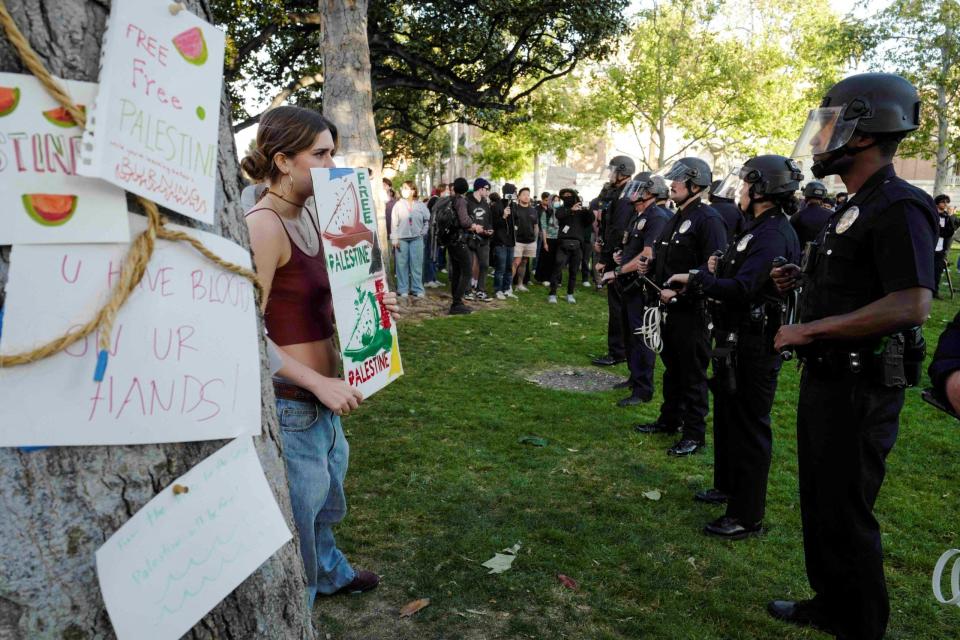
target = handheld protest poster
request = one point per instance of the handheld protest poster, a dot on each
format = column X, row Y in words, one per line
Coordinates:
column 184, row 358
column 42, row 199
column 154, row 126
column 348, row 228
column 190, row 546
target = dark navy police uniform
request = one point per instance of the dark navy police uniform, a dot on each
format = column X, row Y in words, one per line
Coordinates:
column 730, row 212
column 746, row 317
column 809, row 221
column 616, row 213
column 686, row 243
column 642, row 232
column 881, row 241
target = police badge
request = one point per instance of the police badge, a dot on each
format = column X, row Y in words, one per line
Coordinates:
column 641, row 224
column 684, row 227
column 847, row 219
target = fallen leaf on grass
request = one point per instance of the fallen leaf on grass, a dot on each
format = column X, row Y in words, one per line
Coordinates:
column 477, row 613
column 573, row 450
column 652, row 495
column 692, row 562
column 412, row 607
column 536, row 441
column 567, row 581
column 501, row 562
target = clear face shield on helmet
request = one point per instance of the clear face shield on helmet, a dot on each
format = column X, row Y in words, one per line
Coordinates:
column 679, row 172
column 729, row 188
column 613, row 173
column 634, row 190
column 825, row 131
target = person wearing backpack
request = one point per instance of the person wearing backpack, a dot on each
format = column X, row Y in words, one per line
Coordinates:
column 454, row 226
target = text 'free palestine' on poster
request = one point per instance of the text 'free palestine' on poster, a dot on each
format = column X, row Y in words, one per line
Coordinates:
column 348, row 229
column 155, row 126
column 183, row 553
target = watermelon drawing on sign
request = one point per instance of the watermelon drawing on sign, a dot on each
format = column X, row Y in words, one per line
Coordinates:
column 61, row 117
column 345, row 229
column 50, row 210
column 368, row 337
column 9, row 99
column 192, row 46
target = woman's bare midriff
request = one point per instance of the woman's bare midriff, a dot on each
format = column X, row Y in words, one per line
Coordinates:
column 320, row 355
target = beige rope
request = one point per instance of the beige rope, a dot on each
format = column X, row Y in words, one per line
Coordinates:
column 141, row 249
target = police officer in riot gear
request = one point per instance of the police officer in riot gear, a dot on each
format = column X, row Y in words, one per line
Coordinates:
column 615, row 213
column 637, row 244
column 813, row 216
column 723, row 201
column 747, row 312
column 688, row 240
column 865, row 287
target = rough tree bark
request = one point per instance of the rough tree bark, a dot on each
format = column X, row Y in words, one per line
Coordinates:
column 348, row 94
column 57, row 506
column 943, row 118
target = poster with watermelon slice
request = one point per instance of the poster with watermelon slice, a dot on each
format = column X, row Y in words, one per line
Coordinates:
column 43, row 200
column 155, row 122
column 348, row 228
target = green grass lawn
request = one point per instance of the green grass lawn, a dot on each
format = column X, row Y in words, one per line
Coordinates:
column 438, row 483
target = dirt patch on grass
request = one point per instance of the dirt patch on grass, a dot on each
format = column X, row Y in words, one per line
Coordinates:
column 437, row 304
column 583, row 380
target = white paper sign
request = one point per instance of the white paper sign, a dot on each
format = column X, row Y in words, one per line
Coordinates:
column 559, row 178
column 348, row 226
column 184, row 359
column 155, row 124
column 180, row 555
column 42, row 199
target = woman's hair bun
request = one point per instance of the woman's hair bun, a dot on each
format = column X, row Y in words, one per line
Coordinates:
column 256, row 165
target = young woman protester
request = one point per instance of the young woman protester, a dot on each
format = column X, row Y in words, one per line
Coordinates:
column 298, row 312
column 410, row 221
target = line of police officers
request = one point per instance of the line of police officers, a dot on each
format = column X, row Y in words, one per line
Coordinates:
column 850, row 309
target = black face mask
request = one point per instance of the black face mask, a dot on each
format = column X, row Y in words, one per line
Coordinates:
column 838, row 162
column 568, row 201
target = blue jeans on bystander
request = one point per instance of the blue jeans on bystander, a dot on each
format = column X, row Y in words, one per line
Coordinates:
column 502, row 268
column 410, row 266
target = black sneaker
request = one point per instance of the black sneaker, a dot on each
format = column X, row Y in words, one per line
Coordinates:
column 686, row 447
column 803, row 613
column 730, row 528
column 634, row 400
column 460, row 310
column 655, row 427
column 711, row 496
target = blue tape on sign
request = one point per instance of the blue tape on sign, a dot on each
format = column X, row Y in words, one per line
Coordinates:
column 32, row 449
column 101, row 365
column 1, row 321
column 338, row 172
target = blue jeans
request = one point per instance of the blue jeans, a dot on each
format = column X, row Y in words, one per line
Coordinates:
column 316, row 454
column 429, row 266
column 503, row 267
column 410, row 265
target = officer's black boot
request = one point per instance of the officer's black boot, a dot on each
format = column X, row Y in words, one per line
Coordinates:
column 656, row 427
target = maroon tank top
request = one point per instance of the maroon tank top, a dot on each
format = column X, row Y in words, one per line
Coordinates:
column 300, row 306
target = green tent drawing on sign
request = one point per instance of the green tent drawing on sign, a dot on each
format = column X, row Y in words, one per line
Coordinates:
column 368, row 337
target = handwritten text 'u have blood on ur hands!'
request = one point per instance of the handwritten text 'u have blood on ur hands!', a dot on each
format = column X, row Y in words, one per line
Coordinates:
column 174, row 344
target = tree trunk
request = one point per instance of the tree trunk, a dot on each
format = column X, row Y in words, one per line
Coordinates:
column 348, row 95
column 59, row 505
column 943, row 122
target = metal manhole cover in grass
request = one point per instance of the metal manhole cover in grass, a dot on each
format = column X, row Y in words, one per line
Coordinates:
column 584, row 380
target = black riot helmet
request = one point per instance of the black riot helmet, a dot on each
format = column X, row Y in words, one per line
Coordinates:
column 771, row 175
column 623, row 165
column 869, row 103
column 692, row 170
column 716, row 195
column 814, row 189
